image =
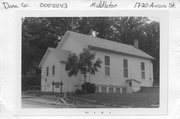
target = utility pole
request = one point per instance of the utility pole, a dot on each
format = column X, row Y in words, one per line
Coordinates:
column 72, row 23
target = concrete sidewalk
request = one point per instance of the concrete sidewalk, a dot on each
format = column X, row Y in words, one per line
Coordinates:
column 45, row 101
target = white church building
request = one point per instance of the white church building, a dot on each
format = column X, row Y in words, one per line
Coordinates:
column 124, row 68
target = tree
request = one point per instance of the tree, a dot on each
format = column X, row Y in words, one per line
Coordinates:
column 84, row 64
column 39, row 33
column 150, row 43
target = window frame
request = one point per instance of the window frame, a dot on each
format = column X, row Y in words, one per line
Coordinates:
column 107, row 63
column 103, row 89
column 111, row 90
column 47, row 71
column 118, row 90
column 125, row 68
column 143, row 75
column 53, row 70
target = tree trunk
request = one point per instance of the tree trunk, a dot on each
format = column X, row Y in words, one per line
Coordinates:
column 85, row 83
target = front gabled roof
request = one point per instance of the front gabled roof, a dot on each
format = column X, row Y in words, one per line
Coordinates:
column 107, row 45
column 60, row 54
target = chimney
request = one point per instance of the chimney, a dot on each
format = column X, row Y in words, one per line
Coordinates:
column 136, row 43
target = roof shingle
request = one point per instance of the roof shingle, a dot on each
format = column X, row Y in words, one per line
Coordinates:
column 109, row 45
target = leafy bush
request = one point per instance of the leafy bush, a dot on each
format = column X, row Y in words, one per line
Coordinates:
column 78, row 91
column 90, row 87
column 30, row 82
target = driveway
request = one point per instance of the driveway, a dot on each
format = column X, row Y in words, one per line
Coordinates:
column 38, row 102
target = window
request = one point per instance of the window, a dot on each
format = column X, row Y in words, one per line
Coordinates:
column 125, row 64
column 107, row 71
column 107, row 60
column 103, row 89
column 123, row 90
column 47, row 71
column 110, row 89
column 130, row 83
column 56, row 85
column 97, row 89
column 53, row 70
column 107, row 65
column 142, row 70
column 117, row 90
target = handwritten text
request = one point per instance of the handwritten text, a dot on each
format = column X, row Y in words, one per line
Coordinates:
column 103, row 4
column 53, row 5
column 154, row 5
column 11, row 6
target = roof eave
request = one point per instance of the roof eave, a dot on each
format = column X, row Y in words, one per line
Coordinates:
column 44, row 57
column 63, row 39
column 117, row 52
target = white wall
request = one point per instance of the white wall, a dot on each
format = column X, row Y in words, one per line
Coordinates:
column 136, row 86
column 70, row 84
column 148, row 82
column 72, row 45
column 49, row 62
column 116, row 70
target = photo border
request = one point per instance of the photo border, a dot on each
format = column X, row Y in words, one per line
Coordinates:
column 163, row 17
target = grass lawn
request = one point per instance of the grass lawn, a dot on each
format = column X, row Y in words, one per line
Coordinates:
column 144, row 98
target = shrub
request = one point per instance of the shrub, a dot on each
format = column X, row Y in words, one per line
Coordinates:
column 90, row 87
column 30, row 82
column 78, row 91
